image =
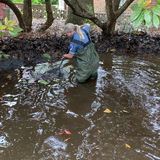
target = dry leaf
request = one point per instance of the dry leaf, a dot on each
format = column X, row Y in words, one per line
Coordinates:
column 66, row 140
column 125, row 111
column 67, row 132
column 127, row 146
column 107, row 111
column 112, row 50
column 9, row 77
column 99, row 131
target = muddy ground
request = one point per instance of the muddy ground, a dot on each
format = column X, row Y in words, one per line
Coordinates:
column 27, row 49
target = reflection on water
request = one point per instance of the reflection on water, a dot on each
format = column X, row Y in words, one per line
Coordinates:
column 64, row 120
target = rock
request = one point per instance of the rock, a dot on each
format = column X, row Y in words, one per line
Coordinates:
column 54, row 148
column 4, row 142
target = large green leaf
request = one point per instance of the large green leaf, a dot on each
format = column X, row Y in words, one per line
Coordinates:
column 156, row 21
column 148, row 18
column 136, row 12
column 134, row 6
column 156, row 10
column 2, row 27
column 139, row 20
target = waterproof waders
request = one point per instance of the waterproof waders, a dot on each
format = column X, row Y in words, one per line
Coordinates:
column 86, row 60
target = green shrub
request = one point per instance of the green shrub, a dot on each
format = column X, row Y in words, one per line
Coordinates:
column 9, row 27
column 146, row 13
column 36, row 1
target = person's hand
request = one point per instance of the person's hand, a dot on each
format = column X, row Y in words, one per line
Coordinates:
column 68, row 56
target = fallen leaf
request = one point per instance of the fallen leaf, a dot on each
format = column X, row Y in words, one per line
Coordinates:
column 99, row 131
column 127, row 146
column 107, row 111
column 66, row 140
column 125, row 111
column 9, row 77
column 112, row 50
column 43, row 82
column 67, row 132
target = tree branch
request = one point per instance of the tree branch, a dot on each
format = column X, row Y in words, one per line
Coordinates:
column 83, row 13
column 116, row 4
column 50, row 17
column 123, row 8
column 109, row 9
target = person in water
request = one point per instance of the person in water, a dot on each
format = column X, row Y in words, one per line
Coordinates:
column 82, row 50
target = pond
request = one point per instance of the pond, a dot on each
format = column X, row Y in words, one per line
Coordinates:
column 116, row 117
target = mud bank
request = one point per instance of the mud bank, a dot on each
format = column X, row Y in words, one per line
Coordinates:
column 28, row 50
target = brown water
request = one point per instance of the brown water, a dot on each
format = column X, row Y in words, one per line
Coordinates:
column 33, row 118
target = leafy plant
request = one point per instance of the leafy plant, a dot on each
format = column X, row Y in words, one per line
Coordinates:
column 9, row 27
column 146, row 12
column 36, row 1
column 47, row 57
column 3, row 56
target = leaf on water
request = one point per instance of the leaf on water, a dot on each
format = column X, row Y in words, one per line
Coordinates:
column 125, row 111
column 43, row 82
column 127, row 146
column 113, row 50
column 66, row 140
column 67, row 132
column 64, row 132
column 107, row 111
column 9, row 77
column 99, row 131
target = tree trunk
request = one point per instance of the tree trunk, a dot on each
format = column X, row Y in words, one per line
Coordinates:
column 113, row 11
column 109, row 28
column 27, row 14
column 16, row 11
column 72, row 18
column 50, row 18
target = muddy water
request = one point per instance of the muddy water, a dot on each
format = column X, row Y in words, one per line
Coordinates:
column 64, row 120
